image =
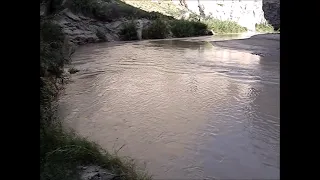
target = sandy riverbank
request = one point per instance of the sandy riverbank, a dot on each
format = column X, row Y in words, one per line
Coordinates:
column 261, row 44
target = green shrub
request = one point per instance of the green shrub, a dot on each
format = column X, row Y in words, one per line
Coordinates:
column 194, row 17
column 199, row 28
column 128, row 32
column 51, row 56
column 50, row 32
column 181, row 28
column 220, row 27
column 184, row 28
column 157, row 30
column 264, row 27
column 51, row 64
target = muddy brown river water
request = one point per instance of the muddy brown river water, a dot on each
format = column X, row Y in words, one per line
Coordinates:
column 183, row 108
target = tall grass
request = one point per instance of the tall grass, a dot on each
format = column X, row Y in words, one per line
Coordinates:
column 157, row 30
column 185, row 28
column 264, row 27
column 224, row 27
column 62, row 153
column 128, row 32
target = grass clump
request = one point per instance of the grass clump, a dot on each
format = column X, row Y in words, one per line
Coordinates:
column 184, row 28
column 264, row 27
column 157, row 30
column 128, row 31
column 62, row 153
column 224, row 27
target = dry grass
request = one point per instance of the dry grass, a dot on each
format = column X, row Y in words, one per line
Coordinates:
column 61, row 153
column 264, row 28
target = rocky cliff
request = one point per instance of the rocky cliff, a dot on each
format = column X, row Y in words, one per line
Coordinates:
column 247, row 13
column 82, row 29
column 271, row 10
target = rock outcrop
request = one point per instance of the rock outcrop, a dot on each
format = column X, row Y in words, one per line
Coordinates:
column 95, row 173
column 271, row 10
column 82, row 30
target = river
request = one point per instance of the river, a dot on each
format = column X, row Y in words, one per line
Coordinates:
column 182, row 108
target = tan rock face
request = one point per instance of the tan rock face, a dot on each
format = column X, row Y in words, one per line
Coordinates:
column 246, row 13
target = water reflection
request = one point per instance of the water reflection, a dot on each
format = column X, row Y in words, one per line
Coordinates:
column 183, row 108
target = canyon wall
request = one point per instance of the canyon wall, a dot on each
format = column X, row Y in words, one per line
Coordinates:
column 247, row 13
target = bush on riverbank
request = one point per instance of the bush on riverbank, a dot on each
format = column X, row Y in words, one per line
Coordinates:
column 224, row 27
column 218, row 26
column 61, row 153
column 51, row 63
column 184, row 28
column 51, row 41
column 157, row 30
column 128, row 32
column 160, row 29
column 264, row 27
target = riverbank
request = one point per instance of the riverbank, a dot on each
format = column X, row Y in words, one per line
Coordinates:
column 260, row 44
